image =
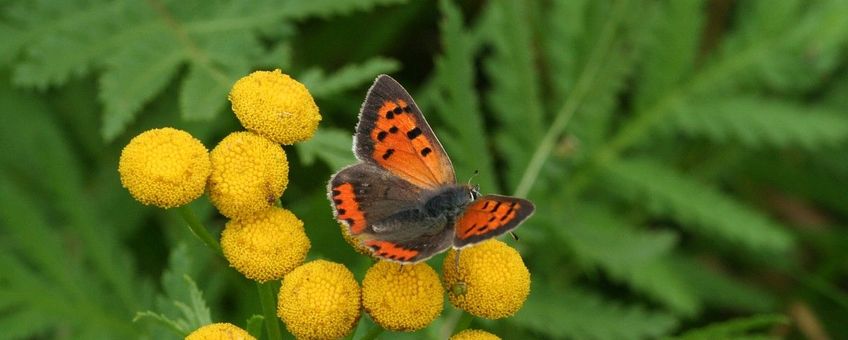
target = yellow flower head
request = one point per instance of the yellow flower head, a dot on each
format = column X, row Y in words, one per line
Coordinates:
column 164, row 167
column 319, row 300
column 402, row 297
column 249, row 173
column 219, row 331
column 474, row 334
column 276, row 106
column 492, row 281
column 267, row 246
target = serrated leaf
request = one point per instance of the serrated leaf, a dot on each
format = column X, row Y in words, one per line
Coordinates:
column 348, row 77
column 179, row 328
column 204, row 92
column 698, row 207
column 254, row 325
column 632, row 256
column 579, row 314
column 134, row 76
column 330, row 145
column 671, row 49
column 457, row 102
column 736, row 328
column 759, row 122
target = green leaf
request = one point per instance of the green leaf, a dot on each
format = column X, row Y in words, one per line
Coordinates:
column 759, row 122
column 671, row 50
column 629, row 255
column 514, row 84
column 348, row 77
column 179, row 328
column 579, row 314
column 254, row 325
column 330, row 145
column 457, row 103
column 182, row 306
column 736, row 328
column 134, row 76
column 697, row 206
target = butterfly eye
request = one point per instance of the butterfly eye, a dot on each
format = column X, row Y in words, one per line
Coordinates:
column 474, row 194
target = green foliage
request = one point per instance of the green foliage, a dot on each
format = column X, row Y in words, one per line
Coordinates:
column 182, row 308
column 686, row 157
column 735, row 329
column 576, row 313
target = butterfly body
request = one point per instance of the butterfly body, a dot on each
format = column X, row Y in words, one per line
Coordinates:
column 402, row 199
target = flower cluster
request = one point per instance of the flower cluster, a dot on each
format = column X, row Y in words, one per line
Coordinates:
column 245, row 175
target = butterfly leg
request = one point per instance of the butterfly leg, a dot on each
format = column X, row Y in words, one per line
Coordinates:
column 457, row 259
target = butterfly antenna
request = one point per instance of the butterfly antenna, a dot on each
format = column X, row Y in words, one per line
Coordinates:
column 476, row 172
column 514, row 235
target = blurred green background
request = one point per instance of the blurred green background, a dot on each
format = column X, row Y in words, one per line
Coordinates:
column 688, row 158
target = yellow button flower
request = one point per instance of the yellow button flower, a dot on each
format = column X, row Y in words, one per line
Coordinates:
column 402, row 297
column 319, row 300
column 249, row 172
column 267, row 246
column 492, row 281
column 164, row 167
column 219, row 331
column 276, row 106
column 474, row 334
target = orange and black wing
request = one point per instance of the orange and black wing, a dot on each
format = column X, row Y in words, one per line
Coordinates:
column 393, row 134
column 490, row 216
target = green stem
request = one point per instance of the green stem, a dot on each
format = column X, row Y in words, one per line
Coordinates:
column 373, row 333
column 266, row 298
column 198, row 229
column 575, row 98
column 463, row 323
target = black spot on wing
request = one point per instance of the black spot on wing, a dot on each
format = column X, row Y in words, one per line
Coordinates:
column 388, row 153
column 411, row 134
column 426, row 151
column 382, row 135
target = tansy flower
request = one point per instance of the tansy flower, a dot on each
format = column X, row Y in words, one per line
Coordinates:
column 319, row 300
column 492, row 281
column 402, row 297
column 249, row 173
column 164, row 167
column 276, row 106
column 219, row 331
column 474, row 334
column 267, row 246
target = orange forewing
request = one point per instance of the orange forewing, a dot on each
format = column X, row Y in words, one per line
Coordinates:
column 391, row 251
column 490, row 216
column 347, row 208
column 402, row 146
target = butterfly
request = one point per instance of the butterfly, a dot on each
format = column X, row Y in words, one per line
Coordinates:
column 401, row 199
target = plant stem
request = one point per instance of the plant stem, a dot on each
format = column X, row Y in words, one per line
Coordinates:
column 373, row 333
column 198, row 229
column 463, row 323
column 266, row 298
column 575, row 98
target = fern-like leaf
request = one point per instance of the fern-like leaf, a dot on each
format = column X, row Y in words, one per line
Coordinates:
column 629, row 255
column 348, row 77
column 670, row 53
column 515, row 85
column 697, row 206
column 759, row 122
column 736, row 328
column 330, row 145
column 457, row 103
column 580, row 314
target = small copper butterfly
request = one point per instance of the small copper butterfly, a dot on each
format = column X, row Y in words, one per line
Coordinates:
column 401, row 199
